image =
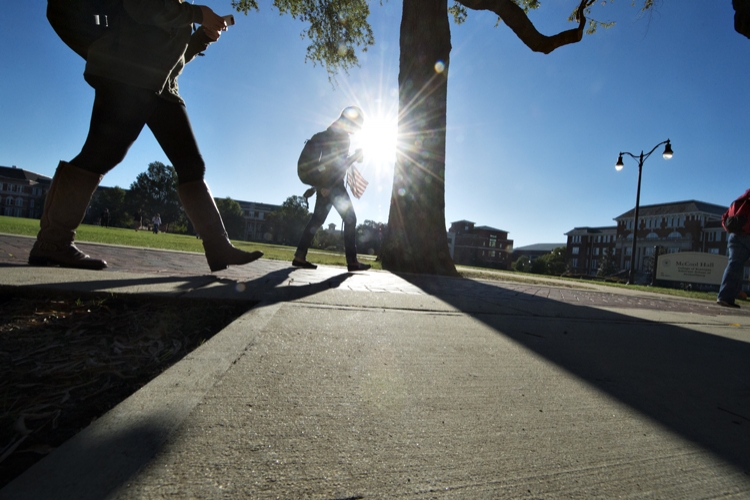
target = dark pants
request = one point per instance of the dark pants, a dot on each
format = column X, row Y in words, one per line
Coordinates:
column 338, row 198
column 120, row 113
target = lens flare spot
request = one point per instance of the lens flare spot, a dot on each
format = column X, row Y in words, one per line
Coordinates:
column 401, row 192
column 439, row 67
column 240, row 287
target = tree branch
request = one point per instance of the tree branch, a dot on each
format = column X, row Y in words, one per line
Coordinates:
column 516, row 19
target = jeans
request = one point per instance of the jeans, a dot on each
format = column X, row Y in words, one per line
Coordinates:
column 339, row 198
column 120, row 113
column 738, row 246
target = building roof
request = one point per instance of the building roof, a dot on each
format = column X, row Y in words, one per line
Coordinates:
column 488, row 228
column 674, row 208
column 592, row 230
column 539, row 247
column 257, row 205
column 21, row 174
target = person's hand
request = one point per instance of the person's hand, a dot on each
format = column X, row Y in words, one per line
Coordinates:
column 212, row 21
column 359, row 154
column 211, row 34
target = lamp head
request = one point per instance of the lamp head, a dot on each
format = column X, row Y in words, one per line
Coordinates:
column 619, row 164
column 667, row 151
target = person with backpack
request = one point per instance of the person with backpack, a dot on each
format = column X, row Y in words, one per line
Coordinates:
column 323, row 165
column 133, row 67
column 736, row 222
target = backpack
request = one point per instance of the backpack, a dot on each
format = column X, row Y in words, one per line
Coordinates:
column 737, row 218
column 313, row 168
column 79, row 23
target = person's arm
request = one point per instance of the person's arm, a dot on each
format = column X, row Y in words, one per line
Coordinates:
column 169, row 14
column 199, row 41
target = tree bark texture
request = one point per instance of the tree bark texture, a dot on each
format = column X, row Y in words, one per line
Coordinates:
column 416, row 241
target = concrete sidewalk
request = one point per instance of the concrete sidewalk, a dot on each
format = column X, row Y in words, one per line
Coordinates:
column 373, row 385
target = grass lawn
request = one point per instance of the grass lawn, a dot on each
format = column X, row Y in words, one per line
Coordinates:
column 170, row 241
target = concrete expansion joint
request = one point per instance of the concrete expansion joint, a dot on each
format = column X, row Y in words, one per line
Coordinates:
column 433, row 312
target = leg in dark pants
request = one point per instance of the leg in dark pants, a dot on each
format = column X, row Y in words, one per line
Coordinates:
column 339, row 199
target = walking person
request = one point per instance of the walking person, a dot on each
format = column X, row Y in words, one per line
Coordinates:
column 133, row 69
column 331, row 155
column 138, row 220
column 736, row 222
column 156, row 221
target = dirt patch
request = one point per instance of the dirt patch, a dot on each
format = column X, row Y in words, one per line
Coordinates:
column 66, row 359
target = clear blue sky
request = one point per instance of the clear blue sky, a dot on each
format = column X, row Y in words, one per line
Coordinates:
column 532, row 138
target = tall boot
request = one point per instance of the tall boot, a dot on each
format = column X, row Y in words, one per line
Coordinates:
column 201, row 210
column 67, row 199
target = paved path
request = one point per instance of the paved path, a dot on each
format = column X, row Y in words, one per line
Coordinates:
column 259, row 278
column 370, row 385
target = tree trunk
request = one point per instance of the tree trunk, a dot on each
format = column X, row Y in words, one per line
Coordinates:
column 416, row 241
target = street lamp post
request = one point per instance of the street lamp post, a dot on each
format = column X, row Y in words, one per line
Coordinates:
column 618, row 166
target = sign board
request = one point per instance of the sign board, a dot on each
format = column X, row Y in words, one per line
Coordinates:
column 691, row 267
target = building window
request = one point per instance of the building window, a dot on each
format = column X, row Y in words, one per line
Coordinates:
column 19, row 202
column 575, row 250
column 9, row 201
column 596, row 251
column 493, row 241
column 492, row 253
column 629, row 251
column 713, row 250
column 574, row 262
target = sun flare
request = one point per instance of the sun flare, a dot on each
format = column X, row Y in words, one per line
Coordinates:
column 378, row 140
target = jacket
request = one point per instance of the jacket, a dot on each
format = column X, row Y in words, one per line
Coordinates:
column 149, row 45
column 737, row 218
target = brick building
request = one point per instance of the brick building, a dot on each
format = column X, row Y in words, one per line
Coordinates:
column 22, row 192
column 479, row 246
column 587, row 246
column 683, row 226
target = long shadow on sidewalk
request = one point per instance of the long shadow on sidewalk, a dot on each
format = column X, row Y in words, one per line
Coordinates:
column 268, row 287
column 122, row 450
column 695, row 384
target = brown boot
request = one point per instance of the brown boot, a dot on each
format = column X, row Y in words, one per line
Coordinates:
column 67, row 199
column 201, row 210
